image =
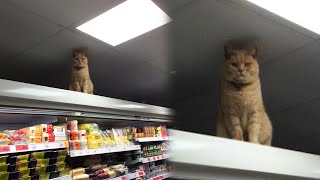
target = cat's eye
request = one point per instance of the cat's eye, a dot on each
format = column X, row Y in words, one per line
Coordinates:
column 234, row 64
column 247, row 64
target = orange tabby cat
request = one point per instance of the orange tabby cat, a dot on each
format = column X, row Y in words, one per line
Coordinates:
column 241, row 113
column 80, row 79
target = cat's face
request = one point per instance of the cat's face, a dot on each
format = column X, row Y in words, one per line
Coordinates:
column 80, row 59
column 241, row 66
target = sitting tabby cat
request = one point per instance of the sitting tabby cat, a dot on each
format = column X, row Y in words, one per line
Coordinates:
column 80, row 79
column 241, row 113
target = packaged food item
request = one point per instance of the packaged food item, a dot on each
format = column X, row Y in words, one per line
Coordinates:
column 62, row 152
column 83, row 144
column 4, row 136
column 40, row 155
column 82, row 135
column 74, row 145
column 153, row 131
column 17, row 136
column 158, row 131
column 21, row 166
column 3, row 168
column 45, row 176
column 42, row 162
column 95, row 140
column 4, row 142
column 64, row 172
column 164, row 131
column 4, row 175
column 60, row 133
column 72, row 125
column 3, row 160
column 74, row 135
column 89, row 127
column 47, row 132
column 24, row 173
column 82, row 177
column 61, row 159
column 18, row 159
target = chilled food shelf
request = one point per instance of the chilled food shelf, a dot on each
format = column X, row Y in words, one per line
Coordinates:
column 151, row 139
column 130, row 176
column 76, row 153
column 31, row 147
column 162, row 176
column 155, row 158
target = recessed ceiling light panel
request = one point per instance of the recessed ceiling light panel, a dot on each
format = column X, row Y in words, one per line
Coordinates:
column 302, row 12
column 126, row 21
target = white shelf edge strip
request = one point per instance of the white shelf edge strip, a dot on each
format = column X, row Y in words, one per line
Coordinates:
column 150, row 139
column 162, row 176
column 62, row 178
column 76, row 153
column 7, row 149
column 129, row 176
column 155, row 158
column 210, row 151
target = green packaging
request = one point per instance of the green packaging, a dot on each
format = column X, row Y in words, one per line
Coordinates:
column 3, row 160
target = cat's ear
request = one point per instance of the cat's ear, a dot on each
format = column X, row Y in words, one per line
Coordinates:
column 74, row 53
column 228, row 51
column 252, row 52
column 85, row 53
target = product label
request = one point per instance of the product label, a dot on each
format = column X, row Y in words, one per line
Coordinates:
column 22, row 147
column 4, row 148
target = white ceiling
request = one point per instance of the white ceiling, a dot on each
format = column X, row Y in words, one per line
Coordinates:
column 37, row 37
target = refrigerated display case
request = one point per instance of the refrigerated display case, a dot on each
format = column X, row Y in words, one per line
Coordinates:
column 71, row 135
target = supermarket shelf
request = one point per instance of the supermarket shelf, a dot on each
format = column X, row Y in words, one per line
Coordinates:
column 129, row 176
column 87, row 152
column 155, row 158
column 197, row 156
column 162, row 176
column 63, row 178
column 150, row 139
column 18, row 97
column 31, row 147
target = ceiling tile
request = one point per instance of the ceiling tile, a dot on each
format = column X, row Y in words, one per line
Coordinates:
column 21, row 30
column 292, row 79
column 170, row 6
column 258, row 11
column 149, row 46
column 68, row 12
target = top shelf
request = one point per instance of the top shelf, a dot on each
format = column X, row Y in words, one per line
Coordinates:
column 197, row 156
column 151, row 139
column 34, row 99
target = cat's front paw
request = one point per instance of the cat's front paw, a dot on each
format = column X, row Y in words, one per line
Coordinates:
column 238, row 135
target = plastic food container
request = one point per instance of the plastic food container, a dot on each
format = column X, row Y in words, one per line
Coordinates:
column 41, row 170
column 24, row 173
column 4, row 168
column 63, row 152
column 3, row 160
column 42, row 162
column 64, row 172
column 61, row 159
column 74, row 135
column 4, row 175
column 72, row 125
column 41, row 155
column 22, row 166
column 44, row 176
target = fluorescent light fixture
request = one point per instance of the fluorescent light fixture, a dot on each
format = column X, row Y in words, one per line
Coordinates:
column 302, row 12
column 126, row 21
